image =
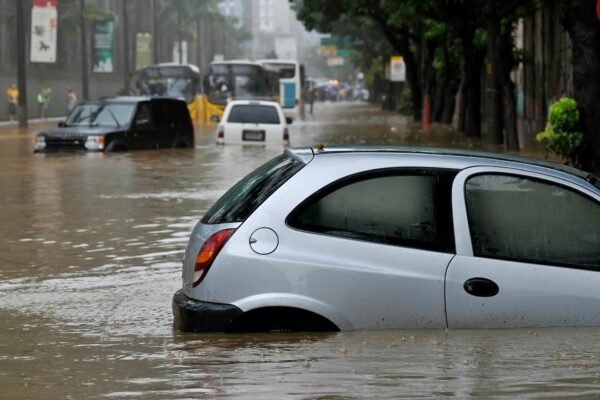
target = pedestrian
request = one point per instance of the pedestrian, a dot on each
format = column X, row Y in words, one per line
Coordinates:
column 71, row 100
column 310, row 95
column 43, row 99
column 12, row 96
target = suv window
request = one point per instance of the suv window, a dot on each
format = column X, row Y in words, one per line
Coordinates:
column 242, row 199
column 409, row 208
column 142, row 117
column 530, row 220
column 254, row 114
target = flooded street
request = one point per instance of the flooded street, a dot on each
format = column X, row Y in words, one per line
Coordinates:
column 91, row 256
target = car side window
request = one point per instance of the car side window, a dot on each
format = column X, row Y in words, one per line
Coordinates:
column 142, row 116
column 529, row 220
column 160, row 111
column 401, row 207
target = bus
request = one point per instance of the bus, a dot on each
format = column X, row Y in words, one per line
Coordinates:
column 291, row 84
column 181, row 81
column 237, row 80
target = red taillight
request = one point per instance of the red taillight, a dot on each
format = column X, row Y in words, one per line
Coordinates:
column 208, row 252
column 297, row 102
column 221, row 132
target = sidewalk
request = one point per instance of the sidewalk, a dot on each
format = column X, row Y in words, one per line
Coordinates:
column 32, row 121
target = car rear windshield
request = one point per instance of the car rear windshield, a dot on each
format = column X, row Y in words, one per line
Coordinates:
column 254, row 114
column 248, row 194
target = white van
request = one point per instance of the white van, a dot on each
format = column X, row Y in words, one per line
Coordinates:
column 252, row 122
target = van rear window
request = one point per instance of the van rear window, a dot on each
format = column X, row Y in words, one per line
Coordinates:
column 254, row 114
column 248, row 194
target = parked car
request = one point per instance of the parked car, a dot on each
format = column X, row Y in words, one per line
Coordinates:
column 250, row 122
column 119, row 124
column 391, row 238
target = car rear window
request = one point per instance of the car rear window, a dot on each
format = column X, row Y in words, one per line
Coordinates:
column 254, row 114
column 248, row 194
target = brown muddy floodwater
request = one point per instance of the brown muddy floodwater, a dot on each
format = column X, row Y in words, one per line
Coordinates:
column 90, row 257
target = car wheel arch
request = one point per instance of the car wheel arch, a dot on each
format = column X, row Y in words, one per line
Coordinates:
column 116, row 145
column 294, row 303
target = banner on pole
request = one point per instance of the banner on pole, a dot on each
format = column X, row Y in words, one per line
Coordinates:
column 102, row 49
column 43, row 31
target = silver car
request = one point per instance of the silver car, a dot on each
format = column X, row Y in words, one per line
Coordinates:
column 390, row 238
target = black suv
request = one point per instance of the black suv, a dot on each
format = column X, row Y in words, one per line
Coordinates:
column 120, row 124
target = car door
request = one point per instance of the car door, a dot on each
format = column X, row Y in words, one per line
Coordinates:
column 163, row 113
column 143, row 135
column 371, row 248
column 528, row 251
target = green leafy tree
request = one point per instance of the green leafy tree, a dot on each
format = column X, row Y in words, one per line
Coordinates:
column 563, row 135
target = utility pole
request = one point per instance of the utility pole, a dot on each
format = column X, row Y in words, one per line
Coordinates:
column 84, row 59
column 179, row 32
column 21, row 62
column 126, row 47
column 155, row 31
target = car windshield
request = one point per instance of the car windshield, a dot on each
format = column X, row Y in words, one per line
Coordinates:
column 242, row 199
column 112, row 115
column 179, row 88
column 254, row 114
column 233, row 81
column 284, row 71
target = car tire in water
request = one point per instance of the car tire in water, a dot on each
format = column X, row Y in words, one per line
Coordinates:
column 180, row 144
column 116, row 145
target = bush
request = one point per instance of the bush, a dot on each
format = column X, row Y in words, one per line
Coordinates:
column 563, row 135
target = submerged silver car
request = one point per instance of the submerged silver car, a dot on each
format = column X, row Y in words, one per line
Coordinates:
column 390, row 238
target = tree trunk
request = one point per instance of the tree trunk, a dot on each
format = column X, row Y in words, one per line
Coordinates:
column 510, row 116
column 449, row 102
column 505, row 66
column 472, row 64
column 441, row 87
column 412, row 76
column 493, row 77
column 462, row 107
column 583, row 27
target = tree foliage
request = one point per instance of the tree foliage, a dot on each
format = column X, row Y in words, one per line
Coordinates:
column 563, row 135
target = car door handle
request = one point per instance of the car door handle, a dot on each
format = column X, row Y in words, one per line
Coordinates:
column 481, row 287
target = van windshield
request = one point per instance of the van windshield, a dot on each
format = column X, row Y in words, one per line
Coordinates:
column 248, row 194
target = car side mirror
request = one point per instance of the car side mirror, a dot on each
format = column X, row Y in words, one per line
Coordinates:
column 62, row 124
column 214, row 118
column 289, row 120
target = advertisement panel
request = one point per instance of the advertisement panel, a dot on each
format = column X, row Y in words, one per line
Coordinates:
column 143, row 50
column 102, row 46
column 43, row 31
column 397, row 69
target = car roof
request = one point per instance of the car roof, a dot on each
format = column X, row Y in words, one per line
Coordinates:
column 130, row 99
column 250, row 102
column 469, row 158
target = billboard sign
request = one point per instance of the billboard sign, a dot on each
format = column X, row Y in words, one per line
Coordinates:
column 43, row 31
column 102, row 49
column 397, row 69
column 143, row 50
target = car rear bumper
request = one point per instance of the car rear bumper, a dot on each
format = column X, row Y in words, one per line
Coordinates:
column 191, row 315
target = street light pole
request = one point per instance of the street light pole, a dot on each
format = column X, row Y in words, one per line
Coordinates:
column 21, row 62
column 85, row 90
column 126, row 57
